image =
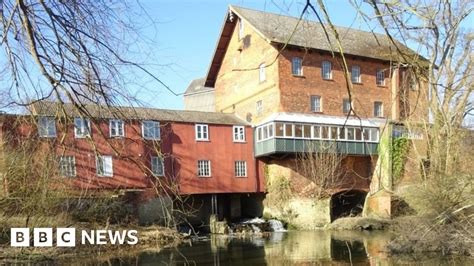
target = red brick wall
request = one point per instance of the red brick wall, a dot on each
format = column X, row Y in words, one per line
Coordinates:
column 296, row 90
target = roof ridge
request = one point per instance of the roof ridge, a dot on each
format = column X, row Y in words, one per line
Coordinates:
column 306, row 20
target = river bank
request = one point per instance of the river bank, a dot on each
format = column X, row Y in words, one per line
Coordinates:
column 149, row 238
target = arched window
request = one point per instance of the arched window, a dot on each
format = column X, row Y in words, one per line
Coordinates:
column 297, row 66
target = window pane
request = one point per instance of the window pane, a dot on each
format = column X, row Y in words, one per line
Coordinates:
column 324, row 132
column 358, row 133
column 306, row 131
column 279, row 129
column 297, row 66
column 333, row 132
column 288, row 130
column 316, row 132
column 350, row 133
column 298, row 131
column 342, row 133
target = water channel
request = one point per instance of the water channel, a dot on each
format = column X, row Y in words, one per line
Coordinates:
column 283, row 248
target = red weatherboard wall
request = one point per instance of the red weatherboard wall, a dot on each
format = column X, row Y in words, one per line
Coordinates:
column 222, row 152
column 131, row 156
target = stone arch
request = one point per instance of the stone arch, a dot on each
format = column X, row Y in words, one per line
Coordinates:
column 347, row 203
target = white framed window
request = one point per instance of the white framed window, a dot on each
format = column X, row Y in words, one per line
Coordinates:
column 316, row 103
column 104, row 165
column 239, row 133
column 241, row 29
column 240, row 168
column 204, row 168
column 355, row 74
column 157, row 166
column 202, row 132
column 261, row 73
column 346, row 106
column 326, row 70
column 46, row 127
column 378, row 109
column 371, row 134
column 116, row 127
column 67, row 166
column 82, row 127
column 259, row 107
column 380, row 78
column 151, row 130
column 297, row 66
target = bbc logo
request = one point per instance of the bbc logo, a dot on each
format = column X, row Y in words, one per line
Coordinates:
column 43, row 237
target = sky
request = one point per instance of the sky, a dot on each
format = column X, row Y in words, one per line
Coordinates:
column 184, row 36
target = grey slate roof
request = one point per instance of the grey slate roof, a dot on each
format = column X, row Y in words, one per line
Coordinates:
column 48, row 108
column 197, row 86
column 310, row 34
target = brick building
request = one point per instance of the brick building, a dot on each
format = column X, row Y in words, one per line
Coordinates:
column 142, row 151
column 280, row 75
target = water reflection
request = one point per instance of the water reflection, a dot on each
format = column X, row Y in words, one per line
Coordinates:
column 286, row 248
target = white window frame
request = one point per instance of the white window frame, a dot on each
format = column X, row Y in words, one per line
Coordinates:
column 157, row 166
column 240, row 168
column 344, row 102
column 313, row 97
column 355, row 74
column 380, row 77
column 107, row 164
column 67, row 166
column 297, row 66
column 241, row 29
column 202, row 163
column 202, row 132
column 238, row 133
column 262, row 76
column 155, row 128
column 84, row 126
column 46, row 127
column 259, row 107
column 378, row 113
column 114, row 123
column 326, row 66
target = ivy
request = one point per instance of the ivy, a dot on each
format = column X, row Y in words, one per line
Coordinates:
column 400, row 147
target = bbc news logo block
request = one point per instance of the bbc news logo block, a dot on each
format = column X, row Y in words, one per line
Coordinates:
column 66, row 237
column 43, row 237
column 20, row 237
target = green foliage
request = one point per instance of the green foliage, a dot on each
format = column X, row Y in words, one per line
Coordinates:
column 400, row 148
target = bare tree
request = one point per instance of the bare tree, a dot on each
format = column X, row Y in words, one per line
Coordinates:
column 322, row 165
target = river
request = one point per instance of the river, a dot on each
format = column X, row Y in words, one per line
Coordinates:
column 284, row 248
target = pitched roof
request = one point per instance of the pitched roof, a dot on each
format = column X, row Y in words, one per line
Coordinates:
column 48, row 108
column 280, row 29
column 197, row 86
